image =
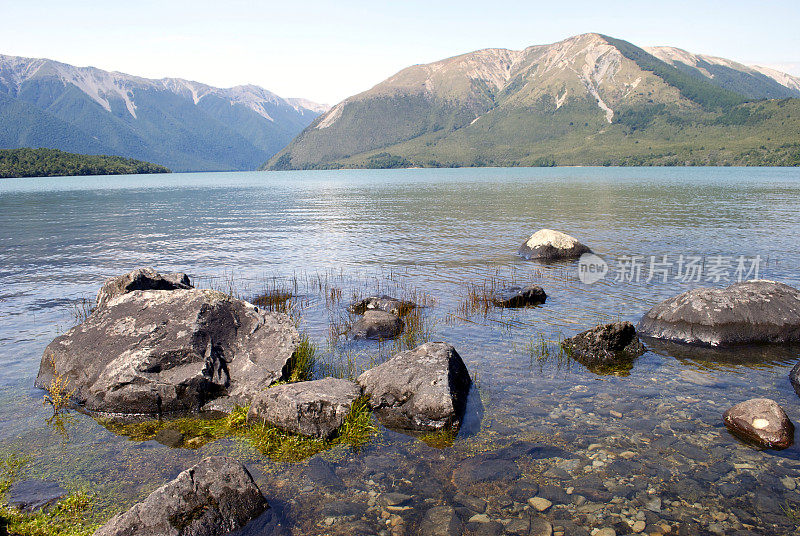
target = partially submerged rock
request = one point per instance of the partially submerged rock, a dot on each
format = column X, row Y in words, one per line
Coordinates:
column 141, row 279
column 761, row 421
column 606, row 347
column 213, row 498
column 519, row 296
column 377, row 325
column 155, row 351
column 547, row 244
column 314, row 408
column 381, row 303
column 749, row 312
column 421, row 389
column 32, row 495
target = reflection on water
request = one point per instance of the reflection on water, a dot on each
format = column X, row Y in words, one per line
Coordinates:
column 648, row 448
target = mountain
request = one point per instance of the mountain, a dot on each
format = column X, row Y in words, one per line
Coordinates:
column 588, row 100
column 184, row 125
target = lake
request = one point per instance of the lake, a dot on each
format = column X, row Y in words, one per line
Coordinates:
column 647, row 445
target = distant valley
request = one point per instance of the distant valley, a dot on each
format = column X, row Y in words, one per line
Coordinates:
column 588, row 100
column 180, row 124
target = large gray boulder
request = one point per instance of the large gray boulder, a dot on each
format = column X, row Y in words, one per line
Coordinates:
column 156, row 351
column 141, row 279
column 213, row 498
column 605, row 347
column 377, row 325
column 315, row 408
column 381, row 303
column 421, row 389
column 761, row 421
column 549, row 245
column 748, row 312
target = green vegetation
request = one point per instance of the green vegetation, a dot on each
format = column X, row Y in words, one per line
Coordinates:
column 52, row 162
column 357, row 429
column 74, row 515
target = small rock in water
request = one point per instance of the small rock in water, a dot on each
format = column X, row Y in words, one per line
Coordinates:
column 606, row 347
column 381, row 303
column 541, row 527
column 547, row 244
column 638, row 526
column 540, row 504
column 169, row 438
column 441, row 521
column 761, row 421
column 519, row 296
column 606, row 532
column 313, row 408
column 215, row 497
column 32, row 495
column 377, row 325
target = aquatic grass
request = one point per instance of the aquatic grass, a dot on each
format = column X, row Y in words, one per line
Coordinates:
column 357, row 429
column 75, row 515
column 541, row 350
column 58, row 393
column 82, row 309
column 302, row 361
column 11, row 466
column 440, row 439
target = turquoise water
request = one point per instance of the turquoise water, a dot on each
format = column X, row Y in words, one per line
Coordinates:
column 434, row 232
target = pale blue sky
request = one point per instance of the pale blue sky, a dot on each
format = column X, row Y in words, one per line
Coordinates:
column 326, row 51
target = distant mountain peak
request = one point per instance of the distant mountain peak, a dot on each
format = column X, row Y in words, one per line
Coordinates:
column 183, row 124
column 589, row 83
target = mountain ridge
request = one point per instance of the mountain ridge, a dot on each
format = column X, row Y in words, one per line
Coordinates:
column 508, row 105
column 183, row 124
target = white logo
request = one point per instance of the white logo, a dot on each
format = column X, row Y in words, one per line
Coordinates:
column 591, row 268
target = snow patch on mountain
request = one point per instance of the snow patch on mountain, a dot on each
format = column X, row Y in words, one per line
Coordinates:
column 105, row 87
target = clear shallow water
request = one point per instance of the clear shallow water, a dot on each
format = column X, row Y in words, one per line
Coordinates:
column 654, row 434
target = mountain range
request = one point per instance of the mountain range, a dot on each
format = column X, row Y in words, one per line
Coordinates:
column 180, row 124
column 588, row 100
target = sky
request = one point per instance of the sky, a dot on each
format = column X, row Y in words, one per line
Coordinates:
column 327, row 51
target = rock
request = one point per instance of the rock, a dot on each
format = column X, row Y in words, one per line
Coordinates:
column 519, row 296
column 521, row 526
column 421, row 389
column 541, row 527
column 314, row 408
column 552, row 245
column 322, row 474
column 440, row 521
column 169, row 437
column 140, row 279
column 342, row 509
column 479, row 469
column 638, row 526
column 605, row 347
column 606, row 532
column 381, row 303
column 748, row 312
column 377, row 325
column 32, row 495
column 155, row 352
column 214, row 497
column 761, row 421
column 540, row 504
column 794, row 378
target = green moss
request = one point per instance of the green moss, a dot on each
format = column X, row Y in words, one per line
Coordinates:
column 279, row 445
column 74, row 515
column 441, row 439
